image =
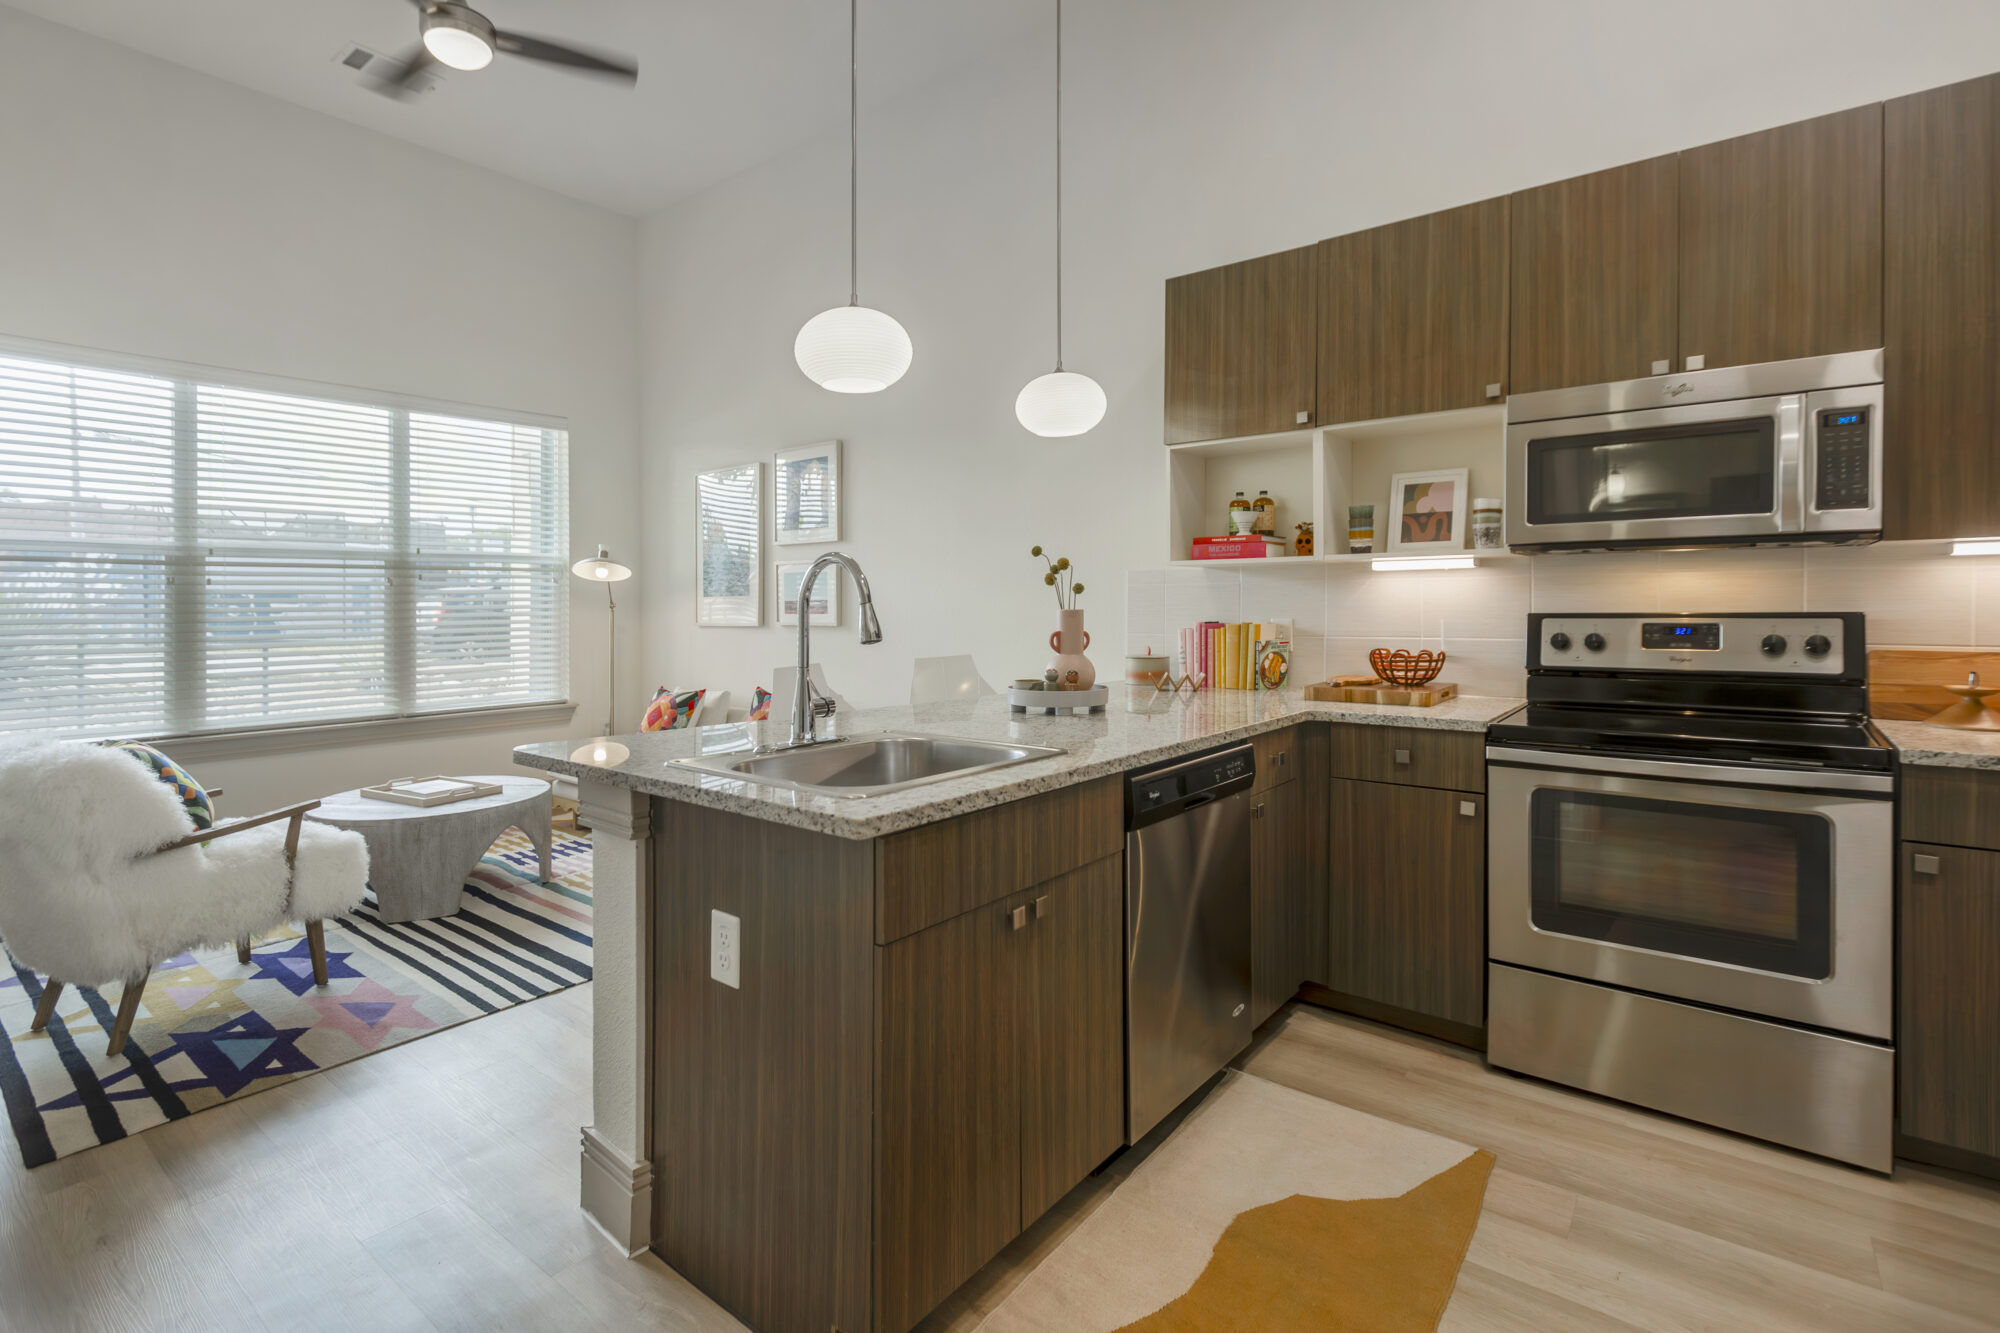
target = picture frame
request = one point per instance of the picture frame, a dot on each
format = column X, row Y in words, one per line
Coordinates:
column 825, row 599
column 1426, row 512
column 805, row 494
column 729, row 554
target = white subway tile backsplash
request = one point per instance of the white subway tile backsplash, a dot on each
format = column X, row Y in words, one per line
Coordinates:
column 1363, row 603
column 1985, row 599
column 1912, row 592
column 1145, row 610
column 1595, row 581
column 1720, row 581
column 1490, row 602
column 1195, row 594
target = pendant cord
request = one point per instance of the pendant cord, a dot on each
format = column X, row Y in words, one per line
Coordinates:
column 853, row 158
column 1059, row 319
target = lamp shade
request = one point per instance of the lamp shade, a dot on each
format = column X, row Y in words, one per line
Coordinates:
column 1059, row 403
column 601, row 568
column 853, row 349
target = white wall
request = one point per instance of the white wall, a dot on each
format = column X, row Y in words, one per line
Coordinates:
column 151, row 210
column 1197, row 134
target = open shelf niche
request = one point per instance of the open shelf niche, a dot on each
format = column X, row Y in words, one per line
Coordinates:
column 1202, row 478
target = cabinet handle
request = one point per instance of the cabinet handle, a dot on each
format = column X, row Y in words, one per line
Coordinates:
column 1696, row 362
column 1041, row 907
column 1257, row 811
column 1468, row 807
column 1924, row 865
column 1492, row 391
column 1663, row 367
column 1402, row 756
column 1279, row 758
column 1305, row 417
column 1019, row 916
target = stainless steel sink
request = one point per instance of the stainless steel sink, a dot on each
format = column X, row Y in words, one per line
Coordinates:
column 868, row 765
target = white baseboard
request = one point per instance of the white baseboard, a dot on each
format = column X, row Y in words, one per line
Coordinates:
column 617, row 1194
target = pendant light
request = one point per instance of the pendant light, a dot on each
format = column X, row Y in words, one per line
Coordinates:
column 853, row 348
column 1061, row 402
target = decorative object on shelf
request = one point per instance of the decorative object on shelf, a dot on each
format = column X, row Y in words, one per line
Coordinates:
column 1304, row 544
column 1061, row 403
column 1971, row 712
column 1070, row 639
column 1486, row 527
column 1241, row 516
column 805, row 495
column 1360, row 529
column 1264, row 519
column 435, row 790
column 601, row 568
column 825, row 596
column 852, row 348
column 1403, row 667
column 729, row 513
column 1427, row 511
column 1250, row 547
column 1146, row 668
column 1047, row 701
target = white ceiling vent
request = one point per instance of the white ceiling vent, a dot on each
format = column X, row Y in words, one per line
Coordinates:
column 382, row 68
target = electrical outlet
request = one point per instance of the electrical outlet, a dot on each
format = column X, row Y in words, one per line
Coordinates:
column 725, row 940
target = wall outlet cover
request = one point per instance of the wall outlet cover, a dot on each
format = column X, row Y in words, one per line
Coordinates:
column 725, row 956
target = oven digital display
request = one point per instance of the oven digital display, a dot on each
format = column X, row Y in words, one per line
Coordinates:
column 1700, row 636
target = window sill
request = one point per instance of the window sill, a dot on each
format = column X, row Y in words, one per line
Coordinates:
column 196, row 749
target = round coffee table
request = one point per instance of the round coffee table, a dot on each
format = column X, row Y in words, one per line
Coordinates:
column 419, row 855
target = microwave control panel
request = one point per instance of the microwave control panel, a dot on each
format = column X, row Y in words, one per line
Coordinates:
column 1841, row 479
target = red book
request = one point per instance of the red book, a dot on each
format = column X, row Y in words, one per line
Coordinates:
column 1237, row 548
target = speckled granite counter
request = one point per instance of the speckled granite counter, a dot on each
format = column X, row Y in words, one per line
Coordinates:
column 1138, row 728
column 1941, row 747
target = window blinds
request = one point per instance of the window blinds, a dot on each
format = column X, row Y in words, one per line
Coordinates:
column 180, row 556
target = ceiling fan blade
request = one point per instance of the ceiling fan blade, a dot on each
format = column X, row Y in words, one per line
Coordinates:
column 554, row 53
column 417, row 65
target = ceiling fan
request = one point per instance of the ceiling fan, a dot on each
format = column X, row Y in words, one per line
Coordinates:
column 459, row 36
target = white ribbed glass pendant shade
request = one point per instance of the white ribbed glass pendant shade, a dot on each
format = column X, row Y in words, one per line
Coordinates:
column 1060, row 403
column 853, row 349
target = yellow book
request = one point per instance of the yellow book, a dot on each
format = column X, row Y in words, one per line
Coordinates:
column 1236, row 656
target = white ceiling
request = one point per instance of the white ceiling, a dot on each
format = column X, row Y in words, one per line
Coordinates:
column 723, row 84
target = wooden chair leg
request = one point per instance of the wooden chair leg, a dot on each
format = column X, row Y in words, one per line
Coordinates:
column 316, row 938
column 243, row 950
column 45, row 1008
column 128, row 1009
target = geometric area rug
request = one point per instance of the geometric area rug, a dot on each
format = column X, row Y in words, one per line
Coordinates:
column 1266, row 1209
column 212, row 1030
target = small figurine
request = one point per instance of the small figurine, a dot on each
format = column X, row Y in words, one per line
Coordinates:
column 1304, row 545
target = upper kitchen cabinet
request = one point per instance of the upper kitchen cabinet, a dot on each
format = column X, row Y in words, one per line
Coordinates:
column 1240, row 357
column 1594, row 277
column 1413, row 316
column 1941, row 407
column 1781, row 243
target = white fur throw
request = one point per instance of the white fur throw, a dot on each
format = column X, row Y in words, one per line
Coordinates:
column 86, row 896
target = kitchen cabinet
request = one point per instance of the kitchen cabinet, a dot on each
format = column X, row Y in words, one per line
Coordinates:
column 1240, row 348
column 1941, row 261
column 1413, row 315
column 1288, row 895
column 1407, row 914
column 1948, row 1022
column 1781, row 243
column 1594, row 277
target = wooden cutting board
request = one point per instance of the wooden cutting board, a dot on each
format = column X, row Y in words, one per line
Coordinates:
column 1421, row 696
column 1907, row 683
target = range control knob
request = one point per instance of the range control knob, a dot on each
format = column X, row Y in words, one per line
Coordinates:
column 1594, row 642
column 1818, row 646
column 1773, row 644
column 1559, row 641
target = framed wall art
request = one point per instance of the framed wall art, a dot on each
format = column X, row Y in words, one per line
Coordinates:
column 825, row 597
column 1426, row 512
column 729, row 524
column 805, row 495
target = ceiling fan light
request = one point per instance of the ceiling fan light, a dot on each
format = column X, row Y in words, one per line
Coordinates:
column 1060, row 403
column 458, row 37
column 853, row 349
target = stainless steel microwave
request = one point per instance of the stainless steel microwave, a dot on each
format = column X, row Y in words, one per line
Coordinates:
column 1774, row 454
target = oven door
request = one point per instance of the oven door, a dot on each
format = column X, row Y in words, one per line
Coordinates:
column 1766, row 891
column 1702, row 472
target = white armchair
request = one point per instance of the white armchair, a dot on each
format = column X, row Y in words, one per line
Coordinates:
column 106, row 874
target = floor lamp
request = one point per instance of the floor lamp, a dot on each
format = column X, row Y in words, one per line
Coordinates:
column 601, row 568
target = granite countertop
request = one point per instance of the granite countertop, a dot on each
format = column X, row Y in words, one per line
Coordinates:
column 1921, row 744
column 1139, row 727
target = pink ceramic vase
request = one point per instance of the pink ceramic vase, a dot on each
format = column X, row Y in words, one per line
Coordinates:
column 1069, row 642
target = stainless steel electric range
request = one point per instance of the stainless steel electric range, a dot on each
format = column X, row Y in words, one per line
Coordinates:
column 1690, row 874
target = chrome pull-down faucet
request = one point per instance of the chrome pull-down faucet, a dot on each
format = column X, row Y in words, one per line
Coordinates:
column 805, row 711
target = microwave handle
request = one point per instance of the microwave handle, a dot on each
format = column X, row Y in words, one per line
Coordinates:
column 1791, row 463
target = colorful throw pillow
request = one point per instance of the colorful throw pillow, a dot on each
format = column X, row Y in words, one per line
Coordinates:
column 760, row 705
column 670, row 711
column 194, row 798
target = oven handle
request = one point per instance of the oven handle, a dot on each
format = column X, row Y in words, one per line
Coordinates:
column 1712, row 774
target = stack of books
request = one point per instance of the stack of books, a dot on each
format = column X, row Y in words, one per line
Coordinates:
column 1254, row 655
column 1238, row 548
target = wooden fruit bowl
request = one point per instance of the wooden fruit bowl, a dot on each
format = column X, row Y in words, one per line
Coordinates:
column 1403, row 667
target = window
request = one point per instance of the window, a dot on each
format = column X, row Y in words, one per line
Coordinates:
column 182, row 555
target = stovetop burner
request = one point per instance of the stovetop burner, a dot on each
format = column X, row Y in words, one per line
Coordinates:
column 1790, row 739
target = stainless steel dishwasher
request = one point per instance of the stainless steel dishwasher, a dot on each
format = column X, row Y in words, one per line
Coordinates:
column 1187, row 928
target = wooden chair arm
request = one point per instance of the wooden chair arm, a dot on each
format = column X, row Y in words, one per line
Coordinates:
column 295, row 813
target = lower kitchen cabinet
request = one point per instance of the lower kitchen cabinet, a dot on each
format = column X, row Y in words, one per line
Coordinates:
column 999, row 1079
column 1407, row 915
column 1948, row 1026
column 1287, row 895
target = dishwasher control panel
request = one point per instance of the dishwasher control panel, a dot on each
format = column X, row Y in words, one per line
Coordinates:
column 1157, row 794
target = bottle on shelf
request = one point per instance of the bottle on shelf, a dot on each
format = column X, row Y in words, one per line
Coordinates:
column 1265, row 520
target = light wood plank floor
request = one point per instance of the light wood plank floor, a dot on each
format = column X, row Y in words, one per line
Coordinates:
column 433, row 1186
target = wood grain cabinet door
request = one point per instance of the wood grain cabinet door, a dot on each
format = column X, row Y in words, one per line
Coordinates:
column 1781, row 242
column 1240, row 348
column 1287, row 897
column 1413, row 316
column 1593, row 277
column 1072, row 1043
column 1407, row 916
column 1948, row 1027
column 947, row 1110
column 1941, row 399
